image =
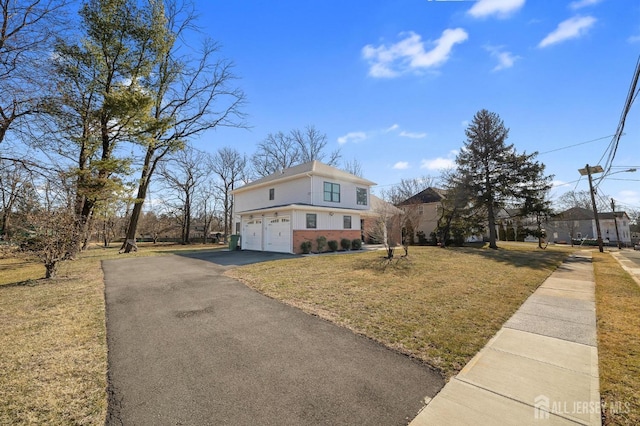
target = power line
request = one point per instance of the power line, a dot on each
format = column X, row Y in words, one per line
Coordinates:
column 576, row 144
column 613, row 146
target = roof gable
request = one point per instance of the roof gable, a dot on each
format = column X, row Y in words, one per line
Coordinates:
column 429, row 195
column 315, row 168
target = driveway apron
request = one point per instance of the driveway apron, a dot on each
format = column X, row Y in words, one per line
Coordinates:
column 189, row 346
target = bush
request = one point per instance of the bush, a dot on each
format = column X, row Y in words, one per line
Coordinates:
column 345, row 243
column 356, row 244
column 322, row 242
column 333, row 245
column 306, row 247
column 422, row 238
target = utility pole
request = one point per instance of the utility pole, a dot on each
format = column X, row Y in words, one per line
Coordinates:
column 615, row 221
column 587, row 171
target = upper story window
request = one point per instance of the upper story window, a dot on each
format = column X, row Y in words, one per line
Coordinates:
column 361, row 196
column 332, row 192
column 272, row 194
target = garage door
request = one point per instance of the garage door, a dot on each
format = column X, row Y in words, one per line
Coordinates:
column 278, row 236
column 252, row 235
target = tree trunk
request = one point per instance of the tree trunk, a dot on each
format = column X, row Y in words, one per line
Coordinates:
column 492, row 227
column 145, row 179
column 51, row 268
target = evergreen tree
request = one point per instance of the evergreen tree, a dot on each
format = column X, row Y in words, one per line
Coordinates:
column 494, row 173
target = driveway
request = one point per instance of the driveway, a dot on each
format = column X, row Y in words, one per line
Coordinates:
column 189, row 346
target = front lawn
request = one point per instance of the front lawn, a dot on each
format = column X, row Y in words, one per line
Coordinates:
column 439, row 305
column 618, row 315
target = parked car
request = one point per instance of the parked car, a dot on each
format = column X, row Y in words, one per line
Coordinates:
column 636, row 246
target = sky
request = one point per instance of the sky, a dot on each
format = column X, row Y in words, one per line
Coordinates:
column 394, row 84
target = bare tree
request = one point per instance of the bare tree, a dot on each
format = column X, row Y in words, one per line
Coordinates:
column 580, row 199
column 27, row 28
column 280, row 151
column 14, row 184
column 191, row 93
column 311, row 146
column 229, row 166
column 277, row 152
column 209, row 201
column 354, row 167
column 182, row 174
column 385, row 226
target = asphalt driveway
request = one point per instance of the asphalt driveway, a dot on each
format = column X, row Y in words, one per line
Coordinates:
column 189, row 346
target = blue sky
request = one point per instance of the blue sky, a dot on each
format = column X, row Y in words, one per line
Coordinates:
column 394, row 83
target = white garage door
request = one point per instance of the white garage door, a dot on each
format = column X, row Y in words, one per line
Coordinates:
column 278, row 234
column 252, row 235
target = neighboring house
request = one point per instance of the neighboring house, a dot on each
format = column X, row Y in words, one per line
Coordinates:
column 280, row 211
column 509, row 222
column 423, row 211
column 578, row 223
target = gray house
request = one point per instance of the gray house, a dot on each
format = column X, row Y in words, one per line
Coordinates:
column 578, row 223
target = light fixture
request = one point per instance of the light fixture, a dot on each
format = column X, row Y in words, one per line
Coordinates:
column 276, row 215
column 330, row 213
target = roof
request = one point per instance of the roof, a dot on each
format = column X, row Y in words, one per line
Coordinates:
column 575, row 213
column 429, row 195
column 310, row 168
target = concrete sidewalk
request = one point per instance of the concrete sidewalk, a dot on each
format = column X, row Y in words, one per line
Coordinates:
column 541, row 368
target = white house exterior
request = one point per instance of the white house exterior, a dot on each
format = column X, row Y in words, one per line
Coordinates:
column 280, row 211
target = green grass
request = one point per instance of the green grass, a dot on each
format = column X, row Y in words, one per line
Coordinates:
column 618, row 319
column 53, row 352
column 440, row 306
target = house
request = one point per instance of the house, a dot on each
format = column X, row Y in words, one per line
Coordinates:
column 578, row 223
column 280, row 211
column 422, row 212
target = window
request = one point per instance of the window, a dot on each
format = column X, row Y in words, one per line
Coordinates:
column 311, row 221
column 346, row 222
column 272, row 193
column 332, row 192
column 361, row 196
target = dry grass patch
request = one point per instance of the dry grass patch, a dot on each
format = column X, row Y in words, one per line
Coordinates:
column 618, row 319
column 53, row 352
column 440, row 306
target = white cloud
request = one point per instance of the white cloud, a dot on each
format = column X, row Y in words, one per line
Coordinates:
column 579, row 4
column 634, row 39
column 413, row 135
column 500, row 8
column 438, row 164
column 505, row 59
column 392, row 128
column 558, row 183
column 629, row 197
column 401, row 165
column 354, row 137
column 465, row 123
column 409, row 54
column 571, row 28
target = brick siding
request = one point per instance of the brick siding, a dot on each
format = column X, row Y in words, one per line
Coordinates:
column 312, row 234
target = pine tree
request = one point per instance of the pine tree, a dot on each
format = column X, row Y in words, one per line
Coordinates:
column 494, row 173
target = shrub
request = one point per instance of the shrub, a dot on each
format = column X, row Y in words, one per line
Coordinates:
column 345, row 243
column 322, row 242
column 422, row 238
column 306, row 247
column 333, row 245
column 356, row 244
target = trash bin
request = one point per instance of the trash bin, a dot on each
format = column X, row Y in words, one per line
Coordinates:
column 233, row 243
